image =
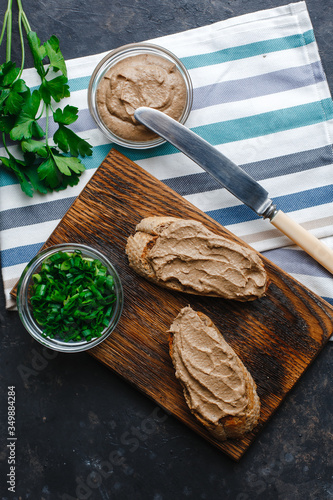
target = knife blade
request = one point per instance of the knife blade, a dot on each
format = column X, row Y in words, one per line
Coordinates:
column 234, row 179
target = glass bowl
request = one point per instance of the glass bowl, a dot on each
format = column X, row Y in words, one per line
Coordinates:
column 120, row 54
column 25, row 308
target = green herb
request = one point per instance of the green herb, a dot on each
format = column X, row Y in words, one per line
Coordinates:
column 41, row 166
column 72, row 297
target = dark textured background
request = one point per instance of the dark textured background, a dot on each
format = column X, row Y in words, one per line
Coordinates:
column 84, row 433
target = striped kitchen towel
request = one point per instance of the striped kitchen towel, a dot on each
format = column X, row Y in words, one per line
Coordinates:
column 261, row 97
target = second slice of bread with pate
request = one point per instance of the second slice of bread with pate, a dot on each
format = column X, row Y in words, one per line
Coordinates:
column 218, row 388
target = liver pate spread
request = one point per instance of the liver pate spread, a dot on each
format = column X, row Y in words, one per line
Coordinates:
column 211, row 373
column 198, row 261
column 141, row 80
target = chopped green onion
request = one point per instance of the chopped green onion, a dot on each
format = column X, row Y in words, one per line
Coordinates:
column 72, row 297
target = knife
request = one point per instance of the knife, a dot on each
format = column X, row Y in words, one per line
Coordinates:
column 234, row 179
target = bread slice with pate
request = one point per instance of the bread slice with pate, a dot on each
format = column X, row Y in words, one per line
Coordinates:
column 218, row 389
column 184, row 255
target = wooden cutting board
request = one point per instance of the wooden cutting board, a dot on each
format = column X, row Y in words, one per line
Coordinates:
column 277, row 336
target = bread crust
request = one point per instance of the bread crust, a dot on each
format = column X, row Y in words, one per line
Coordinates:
column 154, row 225
column 229, row 426
column 144, row 238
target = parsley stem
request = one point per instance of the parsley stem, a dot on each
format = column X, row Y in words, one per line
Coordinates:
column 7, row 27
column 38, row 117
column 47, row 125
column 5, row 20
column 22, row 43
column 23, row 16
column 4, row 143
column 9, row 37
column 22, row 19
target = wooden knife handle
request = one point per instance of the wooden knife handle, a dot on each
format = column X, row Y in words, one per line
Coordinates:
column 314, row 247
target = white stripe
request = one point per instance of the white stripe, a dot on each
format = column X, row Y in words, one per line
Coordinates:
column 13, row 197
column 33, row 234
column 275, row 145
column 321, row 286
column 10, row 302
column 299, row 181
column 78, row 98
column 327, row 240
column 96, row 138
column 13, row 272
column 169, row 166
column 301, row 216
column 11, row 276
column 278, row 240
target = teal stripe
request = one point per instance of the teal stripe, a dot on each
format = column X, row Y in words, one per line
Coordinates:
column 249, row 50
column 99, row 153
column 309, row 37
column 229, row 54
column 221, row 133
column 80, row 83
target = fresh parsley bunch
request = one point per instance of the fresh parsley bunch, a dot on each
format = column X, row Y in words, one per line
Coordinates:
column 41, row 166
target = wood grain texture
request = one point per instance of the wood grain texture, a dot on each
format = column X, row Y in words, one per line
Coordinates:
column 277, row 336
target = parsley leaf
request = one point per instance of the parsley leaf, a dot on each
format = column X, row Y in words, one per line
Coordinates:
column 65, row 138
column 67, row 116
column 38, row 52
column 32, row 146
column 13, row 103
column 67, row 164
column 8, row 73
column 56, row 88
column 7, row 122
column 56, row 168
column 3, row 96
column 56, row 58
column 11, row 88
column 15, row 166
column 26, row 125
column 49, row 172
column 35, row 181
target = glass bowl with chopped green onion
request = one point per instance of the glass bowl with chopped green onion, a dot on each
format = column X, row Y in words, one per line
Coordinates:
column 70, row 297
